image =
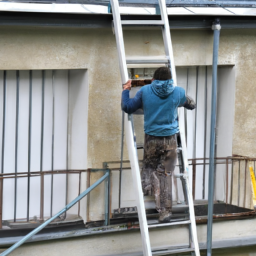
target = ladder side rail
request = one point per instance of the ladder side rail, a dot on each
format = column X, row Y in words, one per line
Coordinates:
column 192, row 217
column 132, row 151
column 189, row 195
column 186, row 190
column 131, row 145
column 167, row 38
column 119, row 40
column 180, row 161
column 169, row 52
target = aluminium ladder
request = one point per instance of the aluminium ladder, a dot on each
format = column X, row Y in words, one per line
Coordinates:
column 130, row 139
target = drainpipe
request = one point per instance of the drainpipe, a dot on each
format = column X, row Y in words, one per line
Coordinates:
column 216, row 28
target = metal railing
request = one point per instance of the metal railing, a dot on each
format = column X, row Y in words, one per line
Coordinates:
column 67, row 207
column 233, row 172
column 236, row 179
column 41, row 196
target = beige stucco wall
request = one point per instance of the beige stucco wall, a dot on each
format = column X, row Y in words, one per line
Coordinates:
column 95, row 50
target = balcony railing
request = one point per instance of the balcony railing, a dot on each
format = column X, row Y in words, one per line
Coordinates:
column 233, row 186
column 41, row 196
column 232, row 178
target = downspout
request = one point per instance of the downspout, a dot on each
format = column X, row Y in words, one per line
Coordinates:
column 216, row 28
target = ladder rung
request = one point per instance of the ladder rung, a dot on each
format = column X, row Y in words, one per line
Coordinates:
column 180, row 175
column 138, row 113
column 145, row 60
column 184, row 222
column 140, row 145
column 172, row 251
column 143, row 22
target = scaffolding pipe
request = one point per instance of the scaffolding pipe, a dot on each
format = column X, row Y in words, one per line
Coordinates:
column 216, row 28
column 67, row 207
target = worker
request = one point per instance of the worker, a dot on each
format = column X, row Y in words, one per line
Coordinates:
column 159, row 101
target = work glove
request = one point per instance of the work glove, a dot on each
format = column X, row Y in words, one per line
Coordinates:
column 190, row 103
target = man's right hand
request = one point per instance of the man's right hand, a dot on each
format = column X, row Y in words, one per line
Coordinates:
column 127, row 85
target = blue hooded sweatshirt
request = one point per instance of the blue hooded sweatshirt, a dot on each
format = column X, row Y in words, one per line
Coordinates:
column 159, row 101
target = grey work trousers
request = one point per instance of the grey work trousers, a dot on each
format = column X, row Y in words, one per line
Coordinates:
column 160, row 157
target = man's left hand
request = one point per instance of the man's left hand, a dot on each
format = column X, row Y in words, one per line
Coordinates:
column 190, row 103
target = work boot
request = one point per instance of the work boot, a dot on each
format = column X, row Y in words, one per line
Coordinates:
column 165, row 216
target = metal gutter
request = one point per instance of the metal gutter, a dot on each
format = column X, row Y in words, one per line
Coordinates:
column 94, row 21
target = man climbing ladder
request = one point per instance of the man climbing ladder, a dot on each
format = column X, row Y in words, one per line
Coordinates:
column 160, row 101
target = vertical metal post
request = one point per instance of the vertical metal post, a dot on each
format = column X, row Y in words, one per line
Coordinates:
column 67, row 147
column 216, row 28
column 1, row 201
column 231, row 181
column 3, row 124
column 205, row 130
column 194, row 140
column 79, row 191
column 245, row 178
column 185, row 110
column 158, row 12
column 194, row 178
column 2, row 153
column 238, row 183
column 52, row 160
column 42, row 197
column 194, row 150
column 107, row 193
column 226, row 180
column 88, row 198
column 29, row 140
column 121, row 162
column 109, row 8
column 16, row 142
column 42, row 149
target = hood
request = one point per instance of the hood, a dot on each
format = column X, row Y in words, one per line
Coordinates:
column 162, row 88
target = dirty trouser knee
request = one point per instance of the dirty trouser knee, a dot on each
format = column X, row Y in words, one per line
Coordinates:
column 159, row 162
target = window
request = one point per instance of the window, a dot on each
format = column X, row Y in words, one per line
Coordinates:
column 43, row 127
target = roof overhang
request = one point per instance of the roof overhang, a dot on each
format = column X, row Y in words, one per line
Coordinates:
column 105, row 20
